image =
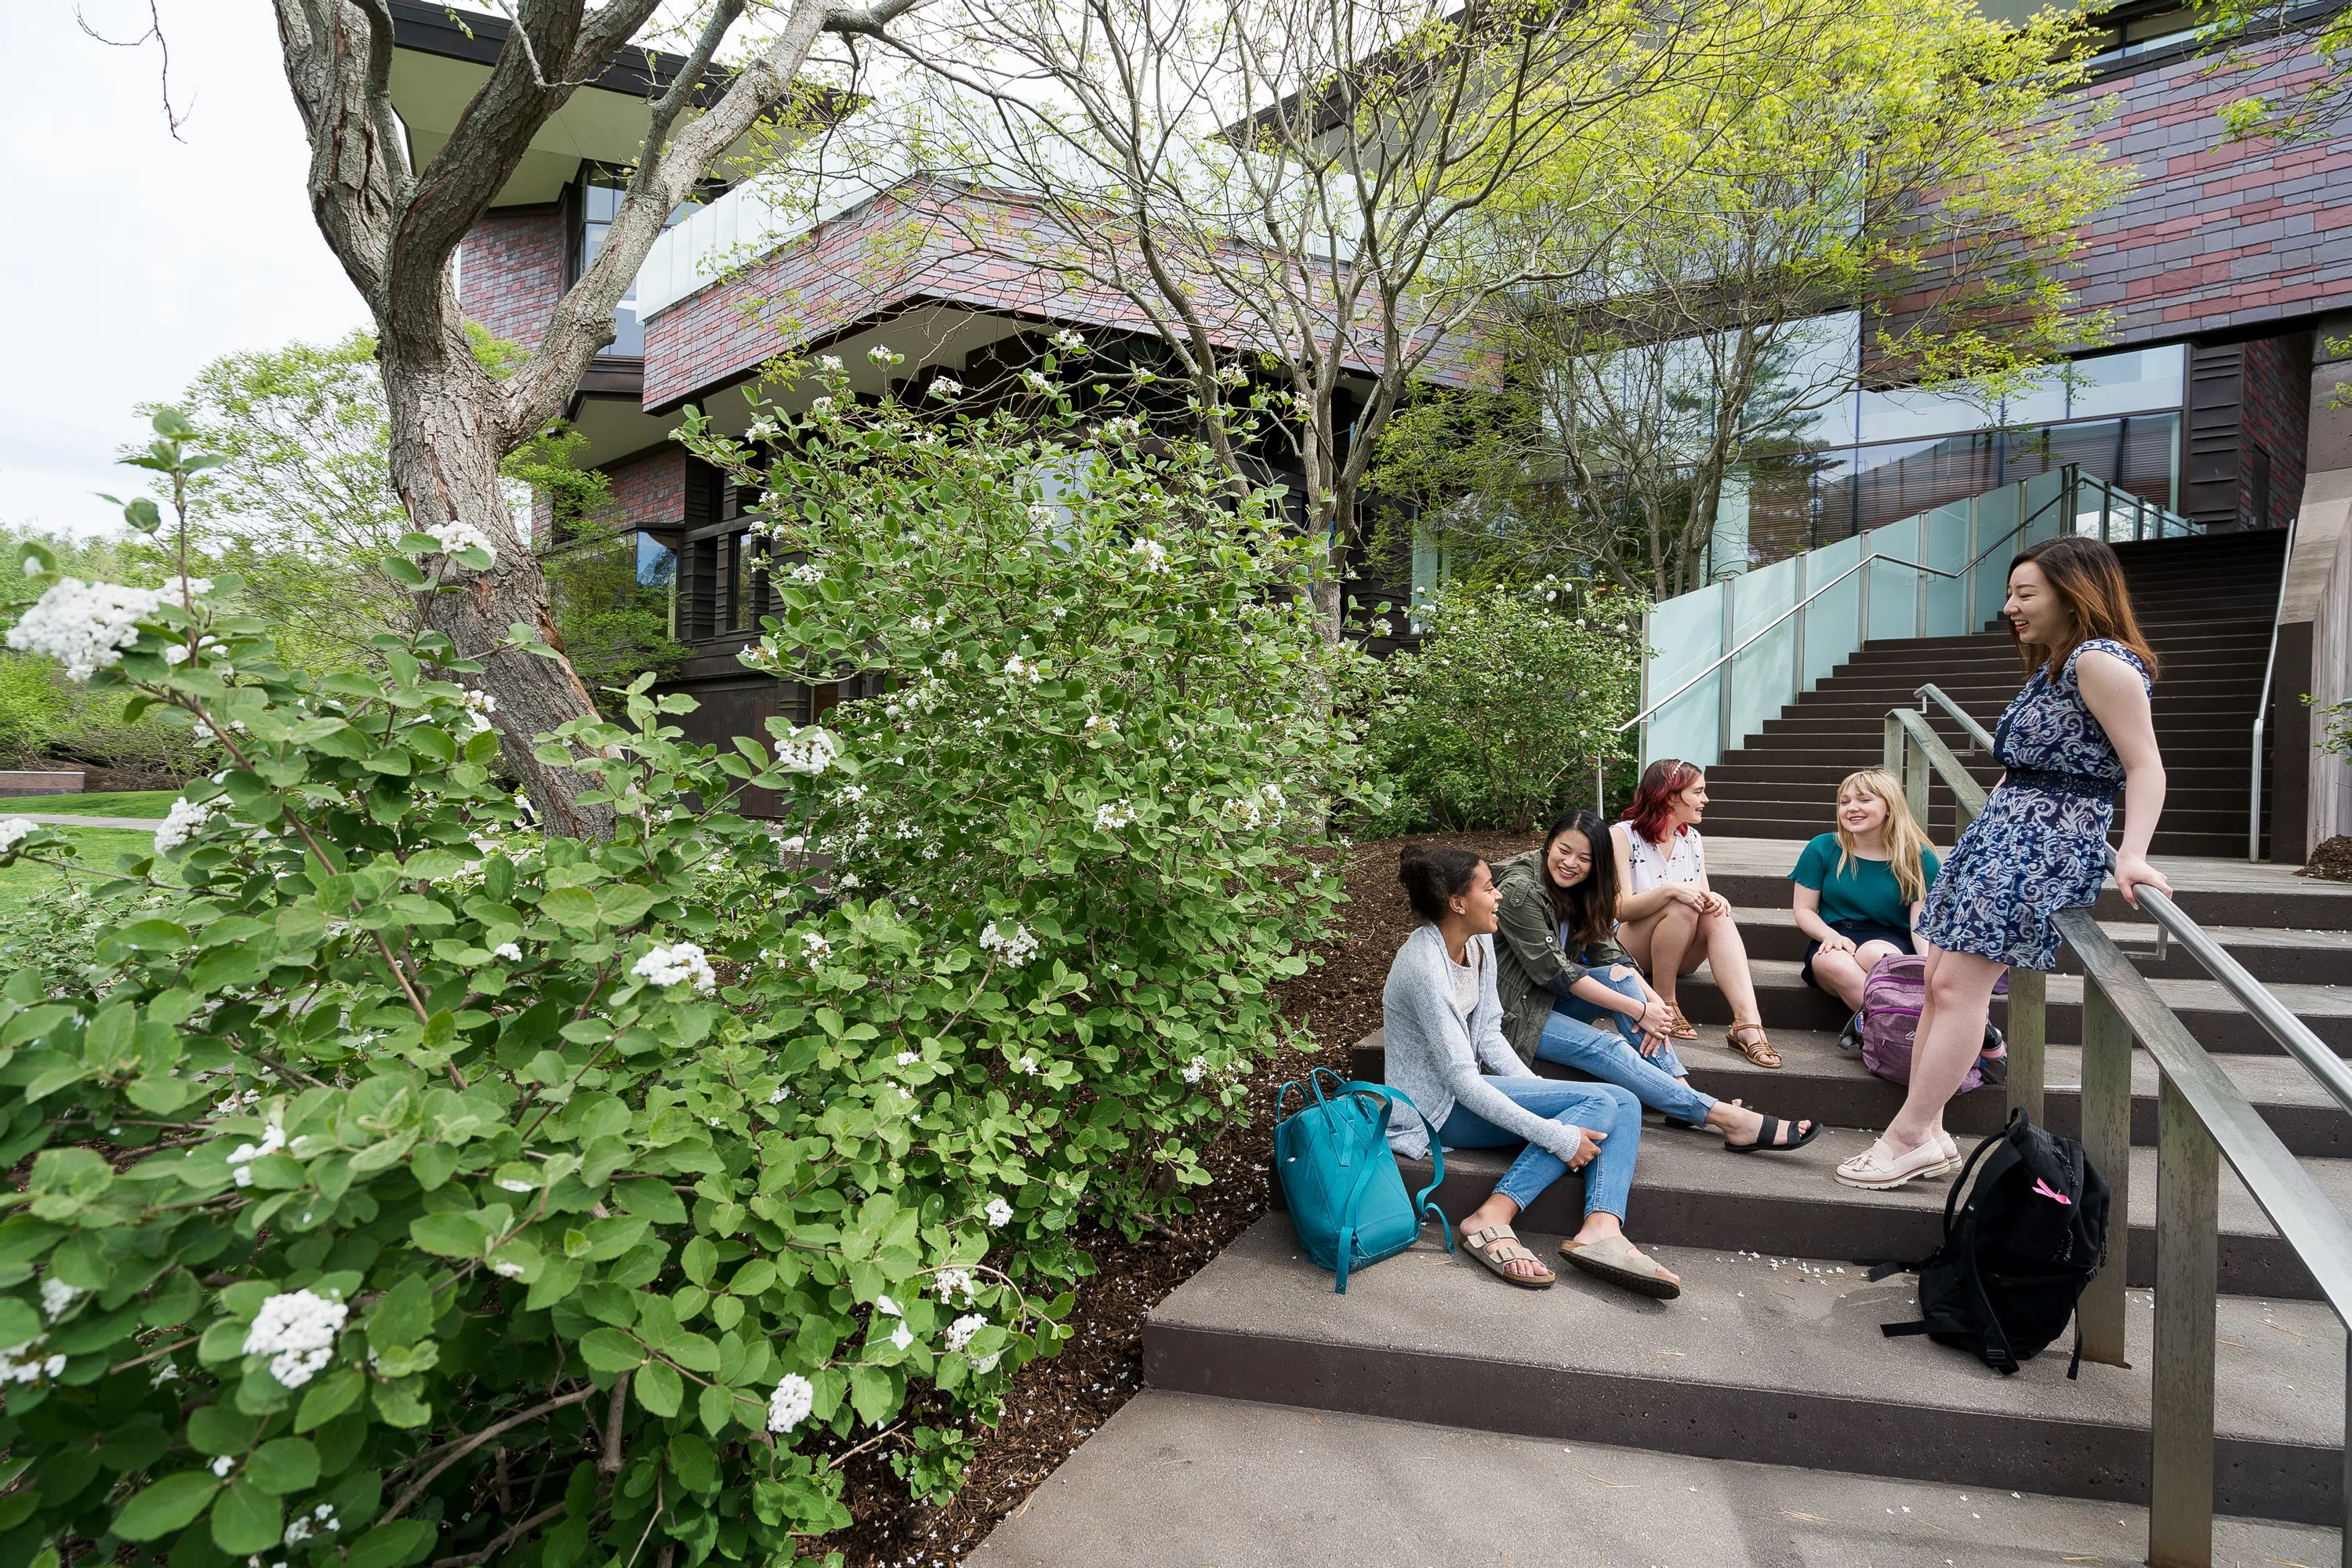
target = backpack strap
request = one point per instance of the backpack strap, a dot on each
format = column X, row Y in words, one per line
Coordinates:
column 1422, row 1206
column 1361, row 1157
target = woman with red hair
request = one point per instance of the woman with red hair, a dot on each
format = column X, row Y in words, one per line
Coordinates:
column 1668, row 919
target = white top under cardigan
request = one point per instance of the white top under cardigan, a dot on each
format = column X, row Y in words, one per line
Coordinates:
column 1435, row 1050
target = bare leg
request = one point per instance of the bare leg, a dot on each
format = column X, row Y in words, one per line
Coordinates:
column 1842, row 973
column 1726, row 960
column 1660, row 943
column 1501, row 1210
column 1951, row 1033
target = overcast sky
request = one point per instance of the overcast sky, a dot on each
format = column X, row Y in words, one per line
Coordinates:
column 135, row 258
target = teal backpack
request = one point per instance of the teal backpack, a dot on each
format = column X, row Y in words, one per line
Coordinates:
column 1346, row 1196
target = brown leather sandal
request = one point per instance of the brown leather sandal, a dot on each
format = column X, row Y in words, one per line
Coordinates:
column 1677, row 1026
column 1756, row 1047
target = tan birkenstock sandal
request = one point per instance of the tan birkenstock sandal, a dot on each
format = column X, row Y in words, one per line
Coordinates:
column 1620, row 1262
column 1498, row 1247
column 1750, row 1041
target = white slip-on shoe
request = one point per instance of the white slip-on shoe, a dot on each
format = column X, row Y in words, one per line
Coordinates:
column 1881, row 1167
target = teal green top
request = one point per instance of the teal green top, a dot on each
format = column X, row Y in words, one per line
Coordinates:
column 1865, row 891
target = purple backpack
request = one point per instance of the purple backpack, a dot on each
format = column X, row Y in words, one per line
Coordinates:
column 1892, row 998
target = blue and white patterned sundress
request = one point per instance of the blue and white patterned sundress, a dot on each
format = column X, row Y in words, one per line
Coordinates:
column 2038, row 848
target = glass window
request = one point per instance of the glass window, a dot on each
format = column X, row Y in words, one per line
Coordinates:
column 2138, row 381
column 600, row 201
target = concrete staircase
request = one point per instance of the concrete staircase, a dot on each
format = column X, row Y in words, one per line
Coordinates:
column 1433, row 1416
column 2206, row 604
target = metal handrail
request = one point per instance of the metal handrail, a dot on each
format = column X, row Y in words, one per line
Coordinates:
column 1934, row 693
column 2064, row 491
column 2202, row 1118
column 2263, row 711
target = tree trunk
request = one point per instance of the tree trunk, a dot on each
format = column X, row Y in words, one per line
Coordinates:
column 445, row 452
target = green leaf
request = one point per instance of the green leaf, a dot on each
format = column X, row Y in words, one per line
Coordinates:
column 329, row 1397
column 155, row 936
column 219, row 1429
column 391, row 1545
column 401, row 1315
column 870, row 1393
column 19, row 1324
column 450, row 1235
column 171, row 1503
column 247, row 1520
column 656, row 1201
column 610, row 1350
column 692, row 1462
column 717, row 1406
column 569, row 906
column 283, row 1465
column 658, row 1387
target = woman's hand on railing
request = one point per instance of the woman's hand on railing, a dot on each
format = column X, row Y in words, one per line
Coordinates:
column 2132, row 872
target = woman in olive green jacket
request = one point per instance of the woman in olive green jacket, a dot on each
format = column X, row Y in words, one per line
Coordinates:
column 1572, row 997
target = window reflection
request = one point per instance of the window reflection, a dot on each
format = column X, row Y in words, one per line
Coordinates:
column 600, row 201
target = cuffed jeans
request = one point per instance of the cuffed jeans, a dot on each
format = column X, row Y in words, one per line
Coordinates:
column 1602, row 1107
column 1598, row 1052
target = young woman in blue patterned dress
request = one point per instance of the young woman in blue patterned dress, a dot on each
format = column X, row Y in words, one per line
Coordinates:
column 2080, row 729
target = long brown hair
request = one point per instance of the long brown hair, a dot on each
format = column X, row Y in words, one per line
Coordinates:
column 2089, row 581
column 1588, row 908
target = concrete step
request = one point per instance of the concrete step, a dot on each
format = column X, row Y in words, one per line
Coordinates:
column 1182, row 1480
column 2212, row 1013
column 2307, row 957
column 1820, row 1080
column 1784, row 823
column 2224, row 890
column 1754, row 1362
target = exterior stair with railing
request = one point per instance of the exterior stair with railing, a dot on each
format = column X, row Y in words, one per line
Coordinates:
column 2206, row 604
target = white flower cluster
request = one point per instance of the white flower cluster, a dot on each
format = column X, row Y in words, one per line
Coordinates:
column 1261, row 806
column 760, row 430
column 319, row 1521
column 1016, row 946
column 1196, row 1069
column 1043, row 514
column 1107, row 816
column 297, row 1330
column 187, row 817
column 954, row 1285
column 1233, row 376
column 881, row 356
column 947, row 388
column 670, row 966
column 821, row 407
column 56, row 1296
column 454, row 535
column 509, row 951
column 815, row 949
column 829, row 364
column 809, row 751
column 15, row 831
column 1024, row 669
column 999, row 1213
column 478, row 706
column 86, row 626
column 1037, row 381
column 273, row 1139
column 1150, row 554
column 1098, row 725
column 789, row 1405
column 16, row 1366
column 1125, row 427
column 963, row 1332
column 852, row 793
column 1027, row 1067
column 924, row 624
column 1069, row 342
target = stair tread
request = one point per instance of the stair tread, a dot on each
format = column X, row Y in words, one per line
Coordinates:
column 1675, row 1160
column 1246, row 1469
column 2303, row 998
column 1745, row 1326
column 2227, row 936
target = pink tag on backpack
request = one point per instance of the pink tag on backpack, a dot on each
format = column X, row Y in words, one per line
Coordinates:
column 2042, row 1187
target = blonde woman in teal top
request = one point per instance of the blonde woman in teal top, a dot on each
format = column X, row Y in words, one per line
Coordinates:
column 1859, row 889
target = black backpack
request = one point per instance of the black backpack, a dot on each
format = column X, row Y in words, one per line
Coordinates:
column 2016, row 1258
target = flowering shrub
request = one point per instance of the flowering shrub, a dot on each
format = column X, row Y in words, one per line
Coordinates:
column 1512, row 697
column 410, row 1185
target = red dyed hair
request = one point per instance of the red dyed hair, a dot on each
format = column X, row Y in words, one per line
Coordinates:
column 1654, row 797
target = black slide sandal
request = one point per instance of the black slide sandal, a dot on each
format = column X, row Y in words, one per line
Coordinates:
column 1771, row 1130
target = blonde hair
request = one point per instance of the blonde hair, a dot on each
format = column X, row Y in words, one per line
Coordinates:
column 1902, row 835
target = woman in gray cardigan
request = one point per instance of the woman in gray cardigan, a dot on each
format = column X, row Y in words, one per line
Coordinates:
column 1444, row 1024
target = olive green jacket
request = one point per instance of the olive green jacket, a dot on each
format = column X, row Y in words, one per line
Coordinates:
column 1530, row 970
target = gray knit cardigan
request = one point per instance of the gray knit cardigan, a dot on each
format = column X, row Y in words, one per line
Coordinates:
column 1435, row 1053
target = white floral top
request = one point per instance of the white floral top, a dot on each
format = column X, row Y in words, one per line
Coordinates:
column 1654, row 867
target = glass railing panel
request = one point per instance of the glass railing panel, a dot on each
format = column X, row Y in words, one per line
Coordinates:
column 1763, row 677
column 1833, row 621
column 1686, row 634
column 1945, row 546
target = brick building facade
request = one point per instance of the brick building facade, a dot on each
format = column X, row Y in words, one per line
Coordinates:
column 511, row 271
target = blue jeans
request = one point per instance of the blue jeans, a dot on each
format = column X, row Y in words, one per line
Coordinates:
column 1601, row 1108
column 1657, row 1081
column 1627, row 1025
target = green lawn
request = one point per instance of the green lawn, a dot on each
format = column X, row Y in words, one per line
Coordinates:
column 153, row 804
column 27, row 880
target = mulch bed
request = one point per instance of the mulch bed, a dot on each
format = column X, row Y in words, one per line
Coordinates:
column 1056, row 1403
column 2332, row 859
